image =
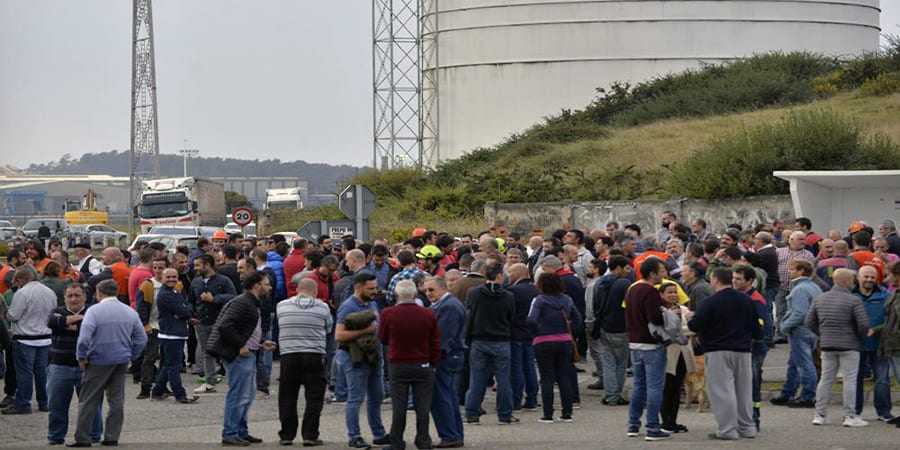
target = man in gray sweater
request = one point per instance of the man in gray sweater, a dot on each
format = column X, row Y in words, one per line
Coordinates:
column 840, row 321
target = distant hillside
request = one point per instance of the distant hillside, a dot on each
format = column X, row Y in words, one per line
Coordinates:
column 322, row 178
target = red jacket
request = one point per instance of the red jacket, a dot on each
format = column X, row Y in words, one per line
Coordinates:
column 411, row 333
column 293, row 264
column 324, row 284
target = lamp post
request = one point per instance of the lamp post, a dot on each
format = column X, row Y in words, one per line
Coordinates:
column 188, row 153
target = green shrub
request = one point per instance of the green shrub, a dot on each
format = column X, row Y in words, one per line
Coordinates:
column 884, row 84
column 741, row 163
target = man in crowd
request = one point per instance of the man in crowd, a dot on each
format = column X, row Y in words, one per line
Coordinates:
column 888, row 230
column 87, row 265
column 801, row 369
column 873, row 299
column 149, row 313
column 117, row 270
column 490, row 312
column 364, row 377
column 826, row 267
column 694, row 277
column 31, row 305
column 794, row 251
column 111, row 335
column 64, row 374
column 210, row 291
column 643, row 306
column 839, row 319
column 451, row 318
column 174, row 314
column 236, row 337
column 742, row 279
column 414, row 349
column 304, row 323
column 726, row 324
column 609, row 327
column 522, row 371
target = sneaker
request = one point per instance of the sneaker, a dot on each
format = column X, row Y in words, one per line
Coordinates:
column 529, row 408
column 799, row 403
column 16, row 410
column 780, row 400
column 339, row 401
column 308, row 442
column 566, row 419
column 193, row 399
column 634, row 431
column 205, row 389
column 234, row 441
column 657, row 435
column 854, row 422
column 159, row 398
column 358, row 442
column 889, row 419
column 545, row 420
column 820, row 420
column 252, row 439
column 669, row 428
column 7, row 401
column 384, row 440
column 597, row 385
column 472, row 420
column 511, row 421
column 576, row 405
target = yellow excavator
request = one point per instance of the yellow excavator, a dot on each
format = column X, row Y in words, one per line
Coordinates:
column 85, row 212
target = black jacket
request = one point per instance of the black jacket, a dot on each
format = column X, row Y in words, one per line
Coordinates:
column 235, row 325
column 768, row 261
column 609, row 293
column 490, row 312
column 222, row 291
column 174, row 312
column 523, row 292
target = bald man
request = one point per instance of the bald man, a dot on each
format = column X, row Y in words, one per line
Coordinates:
column 304, row 322
column 873, row 299
column 116, row 269
column 840, row 321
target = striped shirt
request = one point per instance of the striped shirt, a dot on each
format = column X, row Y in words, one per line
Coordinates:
column 303, row 325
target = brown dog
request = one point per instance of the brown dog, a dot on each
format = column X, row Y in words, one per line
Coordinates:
column 695, row 386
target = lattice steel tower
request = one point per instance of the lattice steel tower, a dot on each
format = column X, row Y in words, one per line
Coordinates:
column 404, row 75
column 144, row 129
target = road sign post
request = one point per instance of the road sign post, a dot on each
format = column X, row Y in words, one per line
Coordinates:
column 242, row 216
column 357, row 202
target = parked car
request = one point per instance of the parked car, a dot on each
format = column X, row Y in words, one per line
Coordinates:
column 57, row 226
column 105, row 233
column 12, row 236
column 175, row 229
column 249, row 230
column 170, row 240
column 6, row 224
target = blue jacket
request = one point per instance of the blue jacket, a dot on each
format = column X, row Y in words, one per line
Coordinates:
column 276, row 263
column 803, row 291
column 174, row 312
column 451, row 320
column 609, row 292
column 524, row 292
column 546, row 315
column 874, row 306
column 222, row 291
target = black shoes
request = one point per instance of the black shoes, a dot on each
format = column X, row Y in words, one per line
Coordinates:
column 78, row 444
column 234, row 442
column 15, row 410
column 798, row 403
column 109, row 443
column 358, row 442
column 597, row 385
column 312, row 442
column 780, row 400
column 384, row 440
column 512, row 420
column 252, row 439
column 193, row 399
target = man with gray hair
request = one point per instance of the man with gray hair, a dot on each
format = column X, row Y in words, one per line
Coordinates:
column 840, row 321
column 111, row 336
column 451, row 318
column 888, row 230
column 414, row 348
column 794, row 250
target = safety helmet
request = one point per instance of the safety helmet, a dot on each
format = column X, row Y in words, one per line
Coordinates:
column 501, row 245
column 429, row 252
column 419, row 232
column 856, row 227
column 220, row 234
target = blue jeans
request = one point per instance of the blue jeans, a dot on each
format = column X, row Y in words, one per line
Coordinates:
column 881, row 368
column 445, row 400
column 241, row 391
column 522, row 374
column 614, row 356
column 486, row 358
column 340, row 380
column 649, row 370
column 172, row 351
column 62, row 381
column 800, row 371
column 769, row 332
column 555, row 363
column 31, row 374
column 264, row 366
column 365, row 380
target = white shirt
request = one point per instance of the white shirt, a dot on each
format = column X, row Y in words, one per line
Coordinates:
column 94, row 267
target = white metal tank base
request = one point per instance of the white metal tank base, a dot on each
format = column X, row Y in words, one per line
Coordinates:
column 505, row 64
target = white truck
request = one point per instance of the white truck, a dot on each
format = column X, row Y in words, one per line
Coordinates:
column 284, row 198
column 188, row 201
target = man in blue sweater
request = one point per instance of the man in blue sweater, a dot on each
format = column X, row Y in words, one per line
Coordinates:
column 609, row 327
column 174, row 314
column 726, row 324
column 111, row 337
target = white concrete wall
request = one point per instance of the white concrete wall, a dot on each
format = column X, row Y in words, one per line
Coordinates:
column 505, row 64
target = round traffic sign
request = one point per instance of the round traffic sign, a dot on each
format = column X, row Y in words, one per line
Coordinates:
column 242, row 216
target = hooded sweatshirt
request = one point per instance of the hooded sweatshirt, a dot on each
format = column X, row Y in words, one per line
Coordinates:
column 490, row 312
column 608, row 295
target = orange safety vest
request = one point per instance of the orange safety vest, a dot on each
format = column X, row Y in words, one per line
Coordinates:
column 3, row 271
column 120, row 273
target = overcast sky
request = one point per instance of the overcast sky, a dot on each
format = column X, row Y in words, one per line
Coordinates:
column 288, row 79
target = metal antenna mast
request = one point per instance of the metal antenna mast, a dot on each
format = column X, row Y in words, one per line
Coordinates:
column 144, row 129
column 399, row 110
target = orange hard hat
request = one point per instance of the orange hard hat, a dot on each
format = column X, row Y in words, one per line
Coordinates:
column 220, row 234
column 419, row 232
column 856, row 227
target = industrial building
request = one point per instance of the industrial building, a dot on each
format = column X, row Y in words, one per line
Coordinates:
column 503, row 65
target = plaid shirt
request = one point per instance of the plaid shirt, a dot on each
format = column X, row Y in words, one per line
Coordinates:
column 785, row 255
column 406, row 274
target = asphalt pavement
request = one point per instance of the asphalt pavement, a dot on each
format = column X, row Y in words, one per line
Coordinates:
column 168, row 425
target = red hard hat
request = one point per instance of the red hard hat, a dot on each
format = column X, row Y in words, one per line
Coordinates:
column 419, row 232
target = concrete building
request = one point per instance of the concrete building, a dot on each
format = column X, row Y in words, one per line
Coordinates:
column 505, row 64
column 29, row 195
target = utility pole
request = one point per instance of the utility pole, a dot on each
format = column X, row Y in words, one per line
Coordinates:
column 187, row 153
column 144, row 127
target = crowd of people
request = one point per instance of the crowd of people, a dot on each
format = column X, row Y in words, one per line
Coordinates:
column 436, row 321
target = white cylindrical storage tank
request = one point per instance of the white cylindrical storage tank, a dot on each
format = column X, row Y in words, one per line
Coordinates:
column 503, row 65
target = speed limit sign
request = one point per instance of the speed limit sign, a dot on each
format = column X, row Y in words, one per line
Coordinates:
column 242, row 216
